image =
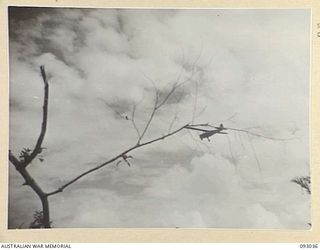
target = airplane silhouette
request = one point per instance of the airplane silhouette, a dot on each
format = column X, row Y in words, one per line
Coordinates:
column 208, row 133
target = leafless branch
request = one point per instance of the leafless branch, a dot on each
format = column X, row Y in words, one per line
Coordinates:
column 263, row 136
column 21, row 165
column 175, row 117
column 176, row 84
column 174, row 87
column 197, row 59
column 132, row 119
column 193, row 127
column 158, row 104
column 201, row 111
column 151, row 81
column 37, row 149
column 60, row 189
column 195, row 103
column 154, row 109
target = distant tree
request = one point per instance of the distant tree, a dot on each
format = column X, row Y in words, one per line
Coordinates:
column 304, row 182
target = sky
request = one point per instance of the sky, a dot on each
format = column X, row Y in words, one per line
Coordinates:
column 247, row 69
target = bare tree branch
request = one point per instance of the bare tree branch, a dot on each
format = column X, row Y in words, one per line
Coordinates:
column 175, row 117
column 176, row 84
column 154, row 109
column 21, row 165
column 37, row 150
column 151, row 81
column 29, row 181
column 193, row 127
column 201, row 111
column 158, row 104
column 60, row 189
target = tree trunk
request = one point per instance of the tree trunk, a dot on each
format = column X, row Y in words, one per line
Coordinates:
column 46, row 212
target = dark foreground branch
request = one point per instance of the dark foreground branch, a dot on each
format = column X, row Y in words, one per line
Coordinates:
column 27, row 158
column 37, row 149
column 121, row 155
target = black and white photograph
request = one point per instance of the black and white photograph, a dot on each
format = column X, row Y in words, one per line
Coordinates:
column 159, row 118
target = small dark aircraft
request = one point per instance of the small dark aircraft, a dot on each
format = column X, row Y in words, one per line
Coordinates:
column 209, row 133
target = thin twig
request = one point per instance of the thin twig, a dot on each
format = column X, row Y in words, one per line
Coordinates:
column 201, row 111
column 151, row 81
column 133, row 121
column 154, row 109
column 167, row 97
column 232, row 155
column 158, row 104
column 175, row 117
column 195, row 103
column 263, row 136
column 177, row 84
column 255, row 154
column 241, row 142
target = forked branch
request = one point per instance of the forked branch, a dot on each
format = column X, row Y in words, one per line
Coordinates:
column 27, row 158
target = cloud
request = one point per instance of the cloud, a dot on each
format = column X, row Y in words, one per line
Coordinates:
column 209, row 193
column 242, row 63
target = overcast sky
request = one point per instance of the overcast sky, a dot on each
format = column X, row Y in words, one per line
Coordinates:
column 251, row 66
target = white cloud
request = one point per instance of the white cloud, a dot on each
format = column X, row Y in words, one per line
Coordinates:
column 251, row 68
